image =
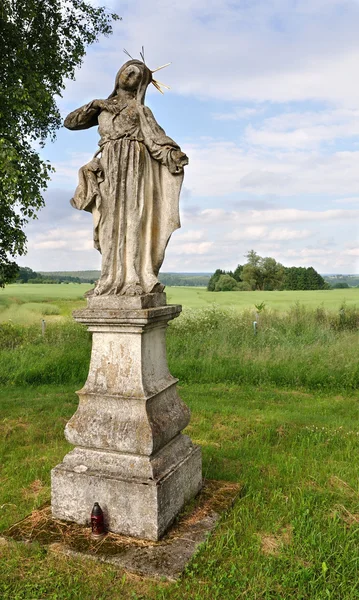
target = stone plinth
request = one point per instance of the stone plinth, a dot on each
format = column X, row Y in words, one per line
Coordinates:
column 130, row 454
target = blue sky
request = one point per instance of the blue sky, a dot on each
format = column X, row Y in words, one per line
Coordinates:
column 264, row 100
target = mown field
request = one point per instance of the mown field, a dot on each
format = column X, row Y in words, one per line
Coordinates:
column 277, row 412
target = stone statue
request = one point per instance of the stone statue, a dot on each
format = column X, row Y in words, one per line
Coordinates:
column 131, row 186
column 130, row 454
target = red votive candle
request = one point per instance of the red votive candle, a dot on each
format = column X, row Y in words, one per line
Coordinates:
column 97, row 522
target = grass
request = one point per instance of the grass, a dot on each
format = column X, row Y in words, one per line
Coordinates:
column 28, row 303
column 316, row 350
column 277, row 412
column 292, row 534
column 31, row 292
column 281, row 301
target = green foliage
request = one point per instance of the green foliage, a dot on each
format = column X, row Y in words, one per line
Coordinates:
column 27, row 275
column 42, row 42
column 341, row 285
column 237, row 273
column 260, row 307
column 61, row 355
column 226, row 283
column 211, row 287
column 267, row 274
column 312, row 349
column 244, row 286
column 253, row 259
column 302, row 278
column 184, row 279
column 77, row 276
column 262, row 273
column 170, row 279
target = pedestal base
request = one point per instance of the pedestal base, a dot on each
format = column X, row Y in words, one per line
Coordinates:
column 130, row 455
column 132, row 507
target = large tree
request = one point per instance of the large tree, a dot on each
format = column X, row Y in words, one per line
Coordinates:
column 41, row 44
column 303, row 278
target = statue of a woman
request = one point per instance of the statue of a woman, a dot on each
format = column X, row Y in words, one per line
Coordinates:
column 132, row 185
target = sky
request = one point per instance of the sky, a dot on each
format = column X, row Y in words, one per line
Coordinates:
column 264, row 100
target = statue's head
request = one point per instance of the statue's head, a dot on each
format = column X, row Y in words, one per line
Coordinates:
column 133, row 77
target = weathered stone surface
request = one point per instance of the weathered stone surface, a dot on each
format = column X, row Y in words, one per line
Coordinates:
column 107, row 319
column 126, row 302
column 130, row 466
column 132, row 189
column 129, row 402
column 143, row 509
column 125, row 424
column 130, row 455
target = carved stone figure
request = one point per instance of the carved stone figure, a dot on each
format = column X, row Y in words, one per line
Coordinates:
column 131, row 186
column 130, row 454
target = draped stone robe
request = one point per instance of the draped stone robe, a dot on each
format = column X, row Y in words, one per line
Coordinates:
column 132, row 191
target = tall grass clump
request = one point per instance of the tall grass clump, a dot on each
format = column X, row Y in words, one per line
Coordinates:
column 28, row 357
column 302, row 347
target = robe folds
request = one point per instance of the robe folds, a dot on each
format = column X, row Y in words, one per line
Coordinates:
column 132, row 191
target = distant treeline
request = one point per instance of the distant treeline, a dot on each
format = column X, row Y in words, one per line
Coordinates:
column 27, row 275
column 266, row 273
column 185, row 279
column 342, row 281
column 257, row 274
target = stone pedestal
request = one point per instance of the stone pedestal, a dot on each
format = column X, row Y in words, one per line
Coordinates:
column 130, row 455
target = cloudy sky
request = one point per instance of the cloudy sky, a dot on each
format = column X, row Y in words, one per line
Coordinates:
column 264, row 100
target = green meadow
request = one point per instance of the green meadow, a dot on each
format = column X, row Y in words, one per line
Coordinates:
column 276, row 411
column 27, row 303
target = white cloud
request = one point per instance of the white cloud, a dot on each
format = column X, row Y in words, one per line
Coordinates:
column 218, row 168
column 192, row 248
column 238, row 114
column 255, row 232
column 67, row 238
column 272, row 50
column 350, row 200
column 285, row 215
column 189, row 235
column 304, row 130
column 310, row 252
column 49, row 244
column 66, row 171
column 284, row 235
column 260, row 232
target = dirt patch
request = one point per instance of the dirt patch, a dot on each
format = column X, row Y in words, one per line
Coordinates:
column 273, row 544
column 34, row 489
column 345, row 515
column 337, row 483
column 8, row 426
